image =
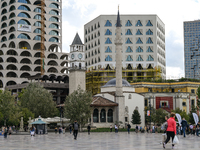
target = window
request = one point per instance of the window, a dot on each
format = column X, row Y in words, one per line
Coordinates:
column 37, row 17
column 128, row 23
column 139, row 49
column 138, row 32
column 150, row 58
column 149, row 41
column 25, row 15
column 108, row 32
column 129, row 50
column 3, row 18
column 108, row 24
column 37, row 10
column 192, row 90
column 22, row 21
column 37, row 24
column 149, row 49
column 37, row 31
column 139, row 58
column 12, row 8
column 53, row 32
column 103, row 115
column 4, row 25
column 12, row 22
column 23, row 7
column 108, row 58
column 139, row 41
column 3, row 12
column 138, row 23
column 164, row 104
column 54, row 12
column 128, row 32
column 129, row 58
column 53, row 25
column 184, row 103
column 108, row 41
column 128, row 41
column 192, row 102
column 126, row 119
column 53, row 39
column 24, row 1
column 23, row 36
column 110, row 115
column 54, row 5
column 54, row 19
column 108, row 50
column 149, row 23
column 96, row 115
column 149, row 89
column 146, row 102
column 129, row 96
column 149, row 32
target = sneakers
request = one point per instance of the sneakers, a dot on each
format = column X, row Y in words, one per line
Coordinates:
column 163, row 145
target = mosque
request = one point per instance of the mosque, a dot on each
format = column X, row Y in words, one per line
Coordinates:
column 117, row 99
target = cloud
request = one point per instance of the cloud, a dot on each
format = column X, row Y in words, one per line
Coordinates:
column 174, row 73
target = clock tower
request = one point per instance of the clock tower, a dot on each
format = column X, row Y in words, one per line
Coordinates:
column 77, row 65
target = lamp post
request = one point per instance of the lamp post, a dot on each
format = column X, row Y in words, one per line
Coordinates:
column 150, row 109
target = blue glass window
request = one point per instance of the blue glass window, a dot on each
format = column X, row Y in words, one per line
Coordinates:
column 54, row 19
column 37, row 17
column 38, row 10
column 22, row 21
column 129, row 58
column 149, row 23
column 149, row 49
column 37, row 24
column 54, row 5
column 139, row 58
column 108, row 50
column 108, row 24
column 37, row 37
column 53, row 12
column 149, row 41
column 150, row 58
column 108, row 41
column 108, row 58
column 139, row 41
column 128, row 23
column 138, row 23
column 149, row 32
column 108, row 32
column 129, row 50
column 138, row 32
column 128, row 41
column 139, row 49
column 22, row 7
column 37, row 31
column 24, row 36
column 25, row 15
column 128, row 32
column 53, row 32
column 53, row 25
column 53, row 39
column 24, row 1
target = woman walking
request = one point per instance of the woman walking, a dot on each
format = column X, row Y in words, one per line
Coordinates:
column 171, row 129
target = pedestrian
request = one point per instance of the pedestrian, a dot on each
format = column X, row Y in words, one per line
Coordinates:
column 88, row 127
column 56, row 130
column 177, row 129
column 136, row 129
column 171, row 129
column 153, row 129
column 164, row 128
column 116, row 128
column 5, row 132
column 70, row 128
column 75, row 129
column 128, row 128
column 32, row 131
column 60, row 130
column 197, row 130
column 191, row 129
column 9, row 130
column 111, row 128
column 184, row 125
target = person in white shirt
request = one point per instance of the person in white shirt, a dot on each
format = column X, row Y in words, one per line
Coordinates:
column 116, row 128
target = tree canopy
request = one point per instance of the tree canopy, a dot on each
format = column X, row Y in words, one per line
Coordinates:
column 136, row 119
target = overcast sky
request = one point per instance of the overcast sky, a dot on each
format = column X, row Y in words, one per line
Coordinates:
column 173, row 13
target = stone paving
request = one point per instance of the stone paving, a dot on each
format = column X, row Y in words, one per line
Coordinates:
column 95, row 141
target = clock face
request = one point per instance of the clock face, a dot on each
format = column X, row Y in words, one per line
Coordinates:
column 80, row 56
column 72, row 56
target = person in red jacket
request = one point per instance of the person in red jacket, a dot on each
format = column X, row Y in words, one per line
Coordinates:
column 171, row 129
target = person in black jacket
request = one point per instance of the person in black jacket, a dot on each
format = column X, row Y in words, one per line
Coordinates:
column 75, row 126
column 128, row 128
column 88, row 127
column 184, row 125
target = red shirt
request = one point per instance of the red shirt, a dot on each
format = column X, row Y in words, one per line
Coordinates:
column 171, row 125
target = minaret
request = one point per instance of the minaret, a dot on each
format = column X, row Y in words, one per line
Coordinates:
column 120, row 99
column 77, row 65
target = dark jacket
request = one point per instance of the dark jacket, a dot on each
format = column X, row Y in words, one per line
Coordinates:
column 74, row 125
column 88, row 127
column 129, row 126
column 184, row 123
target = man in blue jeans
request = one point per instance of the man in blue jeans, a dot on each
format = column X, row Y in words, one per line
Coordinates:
column 184, row 125
column 128, row 128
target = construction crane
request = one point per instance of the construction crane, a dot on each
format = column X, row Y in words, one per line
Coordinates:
column 42, row 48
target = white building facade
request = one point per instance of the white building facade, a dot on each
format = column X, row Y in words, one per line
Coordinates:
column 20, row 35
column 143, row 42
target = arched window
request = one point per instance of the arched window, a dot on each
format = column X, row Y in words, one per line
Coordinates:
column 11, row 2
column 54, row 5
column 24, row 75
column 53, row 25
column 12, row 52
column 129, row 96
column 23, row 14
column 12, row 36
column 37, row 24
column 38, row 30
column 12, row 15
column 54, row 12
column 3, row 18
column 4, row 5
column 54, row 32
column 10, row 83
column 25, row 68
column 25, row 61
column 3, row 32
column 103, row 115
column 54, row 19
column 37, row 17
column 3, row 11
column 53, row 39
column 12, row 60
column 11, row 74
column 24, row 1
column 12, row 8
column 24, row 36
column 11, row 45
column 26, row 53
column 96, row 115
column 22, row 21
column 4, row 25
column 23, row 7
column 12, row 29
column 37, row 37
column 110, row 115
column 12, row 22
column 3, row 39
column 11, row 67
column 37, row 10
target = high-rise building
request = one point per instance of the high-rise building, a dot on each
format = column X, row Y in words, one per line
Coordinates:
column 20, row 35
column 192, row 49
column 143, row 51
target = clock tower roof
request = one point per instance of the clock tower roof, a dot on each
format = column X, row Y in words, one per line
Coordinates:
column 77, row 40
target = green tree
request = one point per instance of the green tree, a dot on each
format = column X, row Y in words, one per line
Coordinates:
column 7, row 106
column 160, row 116
column 39, row 101
column 77, row 106
column 198, row 101
column 136, row 119
column 152, row 117
column 26, row 113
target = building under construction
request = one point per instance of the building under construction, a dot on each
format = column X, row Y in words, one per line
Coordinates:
column 31, row 40
column 97, row 78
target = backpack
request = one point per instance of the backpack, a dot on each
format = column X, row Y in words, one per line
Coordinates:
column 75, row 126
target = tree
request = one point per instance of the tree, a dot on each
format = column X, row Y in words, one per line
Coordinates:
column 160, row 116
column 152, row 117
column 7, row 106
column 77, row 106
column 26, row 113
column 198, row 101
column 182, row 113
column 136, row 119
column 39, row 101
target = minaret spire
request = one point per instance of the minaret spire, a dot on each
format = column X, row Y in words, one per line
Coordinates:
column 118, row 19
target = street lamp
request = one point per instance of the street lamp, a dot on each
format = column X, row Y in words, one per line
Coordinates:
column 150, row 109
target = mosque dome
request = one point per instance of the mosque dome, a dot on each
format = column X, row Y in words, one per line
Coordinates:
column 112, row 82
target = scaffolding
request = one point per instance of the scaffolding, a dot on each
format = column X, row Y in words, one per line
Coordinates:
column 97, row 78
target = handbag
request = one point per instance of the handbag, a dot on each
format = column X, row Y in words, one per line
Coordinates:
column 176, row 140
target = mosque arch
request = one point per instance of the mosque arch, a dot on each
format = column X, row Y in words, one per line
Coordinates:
column 25, row 61
column 11, row 45
column 95, row 115
column 11, row 74
column 52, row 70
column 25, row 68
column 26, row 54
column 12, row 52
column 11, row 83
column 24, row 45
column 11, row 60
column 24, row 75
column 11, row 67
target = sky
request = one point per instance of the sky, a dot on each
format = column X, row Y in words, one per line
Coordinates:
column 76, row 13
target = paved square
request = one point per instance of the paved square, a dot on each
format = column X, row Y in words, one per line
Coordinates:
column 95, row 141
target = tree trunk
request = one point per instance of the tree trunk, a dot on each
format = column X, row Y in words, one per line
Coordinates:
column 4, row 122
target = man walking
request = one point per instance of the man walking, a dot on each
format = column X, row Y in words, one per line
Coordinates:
column 75, row 129
column 88, row 127
column 184, row 125
column 128, row 128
